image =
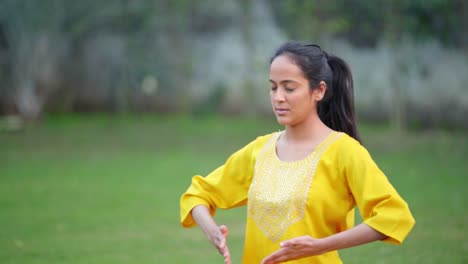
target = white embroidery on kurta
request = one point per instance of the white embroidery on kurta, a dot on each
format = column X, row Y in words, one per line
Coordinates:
column 278, row 193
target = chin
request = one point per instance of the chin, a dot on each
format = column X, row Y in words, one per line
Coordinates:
column 283, row 121
column 287, row 121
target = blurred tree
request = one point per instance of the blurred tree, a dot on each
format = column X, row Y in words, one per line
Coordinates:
column 366, row 22
column 247, row 35
column 94, row 53
column 33, row 48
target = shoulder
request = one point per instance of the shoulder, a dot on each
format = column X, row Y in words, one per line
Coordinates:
column 253, row 147
column 348, row 149
column 260, row 141
column 345, row 144
column 248, row 154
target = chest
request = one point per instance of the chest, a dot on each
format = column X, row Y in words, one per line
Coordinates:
column 293, row 153
column 282, row 193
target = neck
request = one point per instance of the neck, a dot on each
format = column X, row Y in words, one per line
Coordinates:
column 311, row 129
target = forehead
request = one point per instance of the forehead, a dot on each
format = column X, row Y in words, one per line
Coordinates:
column 283, row 67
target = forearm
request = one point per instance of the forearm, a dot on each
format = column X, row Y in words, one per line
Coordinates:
column 203, row 218
column 358, row 235
column 306, row 246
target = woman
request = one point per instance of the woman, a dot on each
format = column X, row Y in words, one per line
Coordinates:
column 301, row 185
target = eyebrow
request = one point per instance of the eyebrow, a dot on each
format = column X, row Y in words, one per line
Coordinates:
column 284, row 81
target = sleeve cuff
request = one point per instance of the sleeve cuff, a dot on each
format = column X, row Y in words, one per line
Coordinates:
column 396, row 232
column 186, row 218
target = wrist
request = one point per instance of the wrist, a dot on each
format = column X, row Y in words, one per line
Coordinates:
column 327, row 244
column 212, row 232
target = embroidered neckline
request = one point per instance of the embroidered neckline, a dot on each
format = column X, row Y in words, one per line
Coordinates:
column 279, row 190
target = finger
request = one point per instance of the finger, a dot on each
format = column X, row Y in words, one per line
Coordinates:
column 227, row 256
column 224, row 230
column 294, row 242
column 222, row 237
column 219, row 240
column 289, row 243
column 221, row 243
column 278, row 259
column 275, row 257
column 223, row 249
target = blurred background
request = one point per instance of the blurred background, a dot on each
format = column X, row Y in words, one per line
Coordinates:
column 409, row 58
column 108, row 108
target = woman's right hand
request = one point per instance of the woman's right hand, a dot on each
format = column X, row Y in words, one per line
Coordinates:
column 216, row 234
column 219, row 240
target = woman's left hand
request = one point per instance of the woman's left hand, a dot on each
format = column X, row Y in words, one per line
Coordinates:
column 296, row 248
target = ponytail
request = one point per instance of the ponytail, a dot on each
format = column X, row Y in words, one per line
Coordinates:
column 336, row 110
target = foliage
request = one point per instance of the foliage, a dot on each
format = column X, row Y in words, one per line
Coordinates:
column 94, row 56
column 365, row 23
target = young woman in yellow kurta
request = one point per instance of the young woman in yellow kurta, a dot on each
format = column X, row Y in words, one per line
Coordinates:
column 301, row 185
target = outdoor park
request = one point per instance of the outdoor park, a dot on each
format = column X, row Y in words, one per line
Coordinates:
column 108, row 110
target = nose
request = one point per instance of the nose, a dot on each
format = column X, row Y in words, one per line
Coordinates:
column 278, row 95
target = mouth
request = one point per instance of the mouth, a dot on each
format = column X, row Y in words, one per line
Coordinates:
column 281, row 111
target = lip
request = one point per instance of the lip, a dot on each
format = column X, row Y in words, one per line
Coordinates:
column 281, row 111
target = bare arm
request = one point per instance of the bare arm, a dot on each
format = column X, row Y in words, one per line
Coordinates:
column 307, row 246
column 358, row 235
column 216, row 234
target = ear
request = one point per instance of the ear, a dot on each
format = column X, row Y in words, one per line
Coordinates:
column 319, row 92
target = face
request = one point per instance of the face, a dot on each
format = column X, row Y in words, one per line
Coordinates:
column 292, row 99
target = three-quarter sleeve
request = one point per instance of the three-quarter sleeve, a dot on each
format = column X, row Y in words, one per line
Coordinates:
column 381, row 207
column 225, row 187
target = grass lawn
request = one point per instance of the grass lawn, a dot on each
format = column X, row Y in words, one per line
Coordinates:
column 97, row 189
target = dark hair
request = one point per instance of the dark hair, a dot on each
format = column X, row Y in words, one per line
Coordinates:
column 336, row 109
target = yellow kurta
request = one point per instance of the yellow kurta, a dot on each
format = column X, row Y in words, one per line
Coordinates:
column 314, row 196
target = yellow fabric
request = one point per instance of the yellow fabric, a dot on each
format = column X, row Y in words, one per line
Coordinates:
column 344, row 176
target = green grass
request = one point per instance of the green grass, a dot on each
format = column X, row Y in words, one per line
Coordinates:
column 97, row 189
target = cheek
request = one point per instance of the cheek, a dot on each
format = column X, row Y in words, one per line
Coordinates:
column 305, row 105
